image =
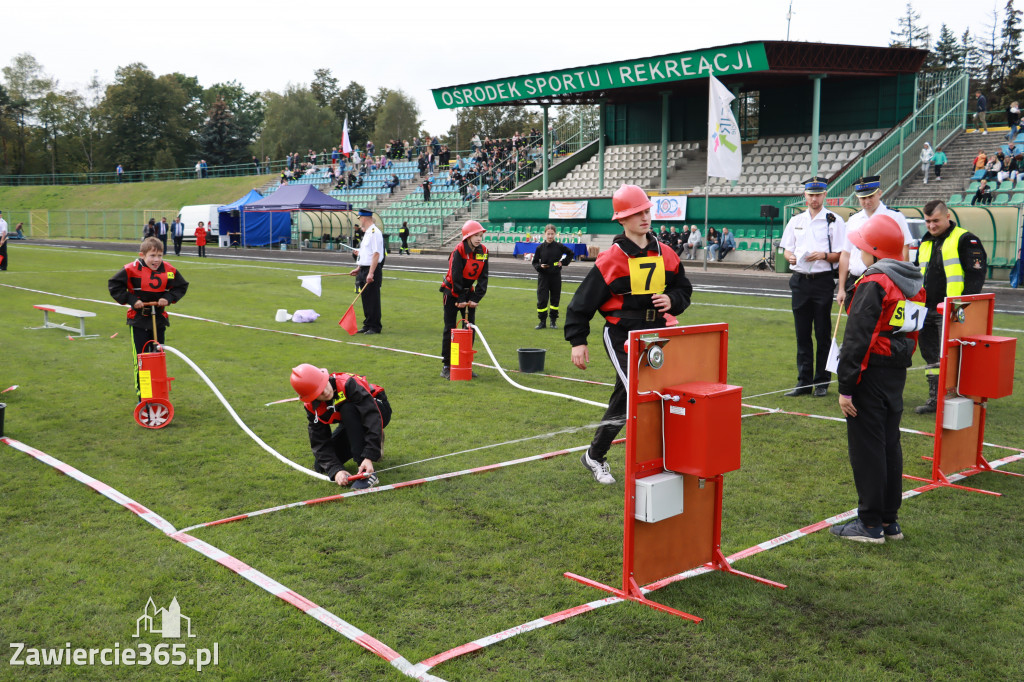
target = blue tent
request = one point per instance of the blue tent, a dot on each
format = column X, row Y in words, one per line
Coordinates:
column 255, row 229
column 286, row 199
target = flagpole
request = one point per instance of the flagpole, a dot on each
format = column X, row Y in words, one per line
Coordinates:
column 707, row 191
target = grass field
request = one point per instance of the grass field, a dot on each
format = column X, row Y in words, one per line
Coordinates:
column 430, row 567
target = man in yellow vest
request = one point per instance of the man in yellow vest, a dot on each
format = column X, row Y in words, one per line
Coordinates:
column 953, row 262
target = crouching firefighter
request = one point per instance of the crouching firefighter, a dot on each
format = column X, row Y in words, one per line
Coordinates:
column 359, row 409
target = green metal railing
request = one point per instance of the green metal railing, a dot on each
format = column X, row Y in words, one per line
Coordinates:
column 110, row 224
column 896, row 156
column 156, row 174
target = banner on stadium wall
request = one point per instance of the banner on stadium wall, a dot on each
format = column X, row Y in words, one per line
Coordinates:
column 731, row 59
column 668, row 207
column 567, row 210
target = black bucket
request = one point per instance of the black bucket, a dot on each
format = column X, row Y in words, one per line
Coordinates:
column 3, row 408
column 531, row 360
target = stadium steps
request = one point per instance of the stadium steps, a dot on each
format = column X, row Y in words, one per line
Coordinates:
column 956, row 174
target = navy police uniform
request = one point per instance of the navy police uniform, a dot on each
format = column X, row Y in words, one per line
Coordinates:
column 813, row 285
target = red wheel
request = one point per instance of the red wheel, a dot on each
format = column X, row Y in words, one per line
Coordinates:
column 154, row 413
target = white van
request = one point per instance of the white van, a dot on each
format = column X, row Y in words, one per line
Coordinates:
column 191, row 215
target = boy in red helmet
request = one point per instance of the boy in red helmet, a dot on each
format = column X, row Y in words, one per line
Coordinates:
column 886, row 311
column 463, row 287
column 634, row 284
column 360, row 409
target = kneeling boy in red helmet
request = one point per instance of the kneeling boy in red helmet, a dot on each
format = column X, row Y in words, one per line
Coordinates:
column 360, row 409
column 463, row 287
column 886, row 311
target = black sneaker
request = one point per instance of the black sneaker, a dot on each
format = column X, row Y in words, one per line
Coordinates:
column 799, row 390
column 540, row 326
column 446, row 372
column 892, row 531
column 364, row 483
column 554, row 325
column 820, row 391
column 856, row 530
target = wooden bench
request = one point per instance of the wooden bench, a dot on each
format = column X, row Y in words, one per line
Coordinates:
column 60, row 310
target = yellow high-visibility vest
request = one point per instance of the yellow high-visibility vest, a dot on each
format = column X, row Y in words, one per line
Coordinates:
column 950, row 260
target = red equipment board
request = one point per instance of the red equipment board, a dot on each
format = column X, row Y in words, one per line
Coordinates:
column 685, row 398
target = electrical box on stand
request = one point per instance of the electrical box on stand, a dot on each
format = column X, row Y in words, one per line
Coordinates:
column 702, row 428
column 958, row 414
column 986, row 366
column 658, row 497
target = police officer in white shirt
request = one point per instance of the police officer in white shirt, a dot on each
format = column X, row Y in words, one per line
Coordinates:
column 851, row 267
column 370, row 271
column 812, row 241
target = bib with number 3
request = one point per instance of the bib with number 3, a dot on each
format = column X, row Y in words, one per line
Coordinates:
column 647, row 275
column 908, row 317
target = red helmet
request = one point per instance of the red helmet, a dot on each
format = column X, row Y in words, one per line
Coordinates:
column 309, row 381
column 879, row 236
column 472, row 227
column 627, row 200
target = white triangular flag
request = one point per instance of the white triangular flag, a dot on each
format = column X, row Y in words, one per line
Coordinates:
column 311, row 282
column 832, row 364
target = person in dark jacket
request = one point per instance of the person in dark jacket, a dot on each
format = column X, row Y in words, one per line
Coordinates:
column 953, row 262
column 630, row 296
column 403, row 234
column 886, row 312
column 464, row 286
column 548, row 261
column 360, row 409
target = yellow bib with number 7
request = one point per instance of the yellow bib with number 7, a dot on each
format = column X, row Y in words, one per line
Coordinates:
column 647, row 275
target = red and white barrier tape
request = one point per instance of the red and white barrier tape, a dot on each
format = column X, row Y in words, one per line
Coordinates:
column 544, row 621
column 254, row 576
column 9, row 388
column 393, row 486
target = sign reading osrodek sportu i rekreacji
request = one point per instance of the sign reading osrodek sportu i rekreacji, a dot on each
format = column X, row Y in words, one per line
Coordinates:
column 718, row 61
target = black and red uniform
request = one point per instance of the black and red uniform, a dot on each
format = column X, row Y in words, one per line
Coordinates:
column 622, row 293
column 137, row 282
column 886, row 312
column 465, row 281
column 548, row 261
column 361, row 410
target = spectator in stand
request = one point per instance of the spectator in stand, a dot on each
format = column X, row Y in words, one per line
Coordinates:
column 980, row 160
column 18, row 232
column 421, row 162
column 356, row 159
column 256, row 163
column 1009, row 170
column 939, row 160
column 426, row 189
column 120, row 172
column 1013, row 120
column 435, row 145
column 199, row 170
column 663, row 236
column 926, row 160
column 472, row 193
column 369, row 148
column 993, row 167
column 408, row 150
column 675, row 239
column 149, row 230
column 392, row 184
column 712, row 237
column 980, row 111
column 983, row 195
column 693, row 242
column 726, row 244
column 204, row 167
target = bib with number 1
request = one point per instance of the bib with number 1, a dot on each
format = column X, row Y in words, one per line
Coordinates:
column 647, row 275
column 908, row 317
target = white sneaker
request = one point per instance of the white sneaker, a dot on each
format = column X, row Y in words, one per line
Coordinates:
column 984, row 132
column 600, row 470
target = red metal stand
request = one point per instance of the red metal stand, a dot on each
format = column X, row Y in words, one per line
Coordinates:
column 694, row 357
column 960, row 451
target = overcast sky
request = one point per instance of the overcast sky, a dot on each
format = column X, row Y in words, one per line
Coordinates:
column 417, row 46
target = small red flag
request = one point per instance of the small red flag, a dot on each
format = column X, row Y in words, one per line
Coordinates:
column 348, row 321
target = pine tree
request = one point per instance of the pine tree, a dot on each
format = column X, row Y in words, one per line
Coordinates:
column 1010, row 43
column 946, row 54
column 219, row 138
column 989, row 54
column 970, row 57
column 911, row 32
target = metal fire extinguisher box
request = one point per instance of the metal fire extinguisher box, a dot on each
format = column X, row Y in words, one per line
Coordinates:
column 986, row 368
column 702, row 429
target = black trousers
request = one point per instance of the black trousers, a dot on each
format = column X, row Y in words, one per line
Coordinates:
column 371, row 296
column 451, row 315
column 177, row 245
column 349, row 438
column 873, row 438
column 202, row 250
column 615, row 416
column 3, row 254
column 549, row 288
column 812, row 307
column 405, row 243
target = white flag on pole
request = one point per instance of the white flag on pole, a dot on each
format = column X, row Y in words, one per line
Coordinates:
column 724, row 148
column 346, row 146
column 832, row 362
column 312, row 283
